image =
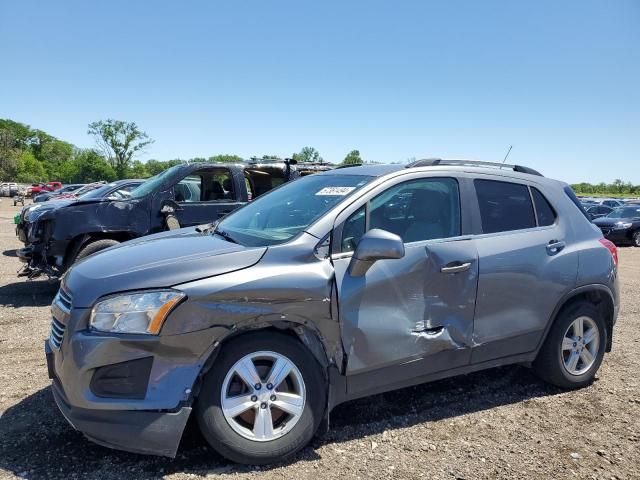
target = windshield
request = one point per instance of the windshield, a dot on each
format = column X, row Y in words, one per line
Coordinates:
column 625, row 212
column 154, row 182
column 283, row 213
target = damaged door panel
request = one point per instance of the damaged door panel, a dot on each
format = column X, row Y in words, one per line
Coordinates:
column 408, row 317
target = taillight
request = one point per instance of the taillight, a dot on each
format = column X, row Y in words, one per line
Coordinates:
column 609, row 245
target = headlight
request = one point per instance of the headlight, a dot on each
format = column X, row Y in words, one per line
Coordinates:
column 622, row 226
column 134, row 313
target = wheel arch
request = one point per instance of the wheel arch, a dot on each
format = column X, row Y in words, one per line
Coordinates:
column 598, row 295
column 78, row 242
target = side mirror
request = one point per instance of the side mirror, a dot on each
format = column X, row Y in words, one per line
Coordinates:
column 375, row 245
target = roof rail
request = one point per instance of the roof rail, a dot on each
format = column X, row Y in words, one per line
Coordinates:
column 349, row 165
column 432, row 162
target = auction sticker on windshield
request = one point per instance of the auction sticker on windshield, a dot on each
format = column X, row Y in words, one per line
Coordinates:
column 336, row 191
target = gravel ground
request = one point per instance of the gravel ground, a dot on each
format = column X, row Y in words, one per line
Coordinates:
column 502, row 423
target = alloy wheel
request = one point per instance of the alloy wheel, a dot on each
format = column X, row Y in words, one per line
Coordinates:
column 580, row 345
column 263, row 396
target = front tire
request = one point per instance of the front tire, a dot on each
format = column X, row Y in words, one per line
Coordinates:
column 574, row 348
column 636, row 239
column 262, row 400
column 94, row 247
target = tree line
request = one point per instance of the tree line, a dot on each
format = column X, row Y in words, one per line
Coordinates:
column 618, row 188
column 30, row 155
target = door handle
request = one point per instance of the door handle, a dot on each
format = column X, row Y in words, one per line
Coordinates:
column 555, row 246
column 455, row 267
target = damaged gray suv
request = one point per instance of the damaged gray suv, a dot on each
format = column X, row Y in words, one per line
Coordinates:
column 336, row 286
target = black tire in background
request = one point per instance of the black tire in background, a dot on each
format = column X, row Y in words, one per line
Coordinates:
column 549, row 364
column 213, row 424
column 636, row 238
column 94, row 247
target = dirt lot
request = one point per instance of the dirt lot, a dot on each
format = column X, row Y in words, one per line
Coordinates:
column 502, row 423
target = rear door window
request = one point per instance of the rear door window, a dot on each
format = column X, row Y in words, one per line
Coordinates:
column 504, row 206
column 544, row 210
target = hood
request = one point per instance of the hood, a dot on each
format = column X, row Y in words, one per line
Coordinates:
column 156, row 261
column 34, row 211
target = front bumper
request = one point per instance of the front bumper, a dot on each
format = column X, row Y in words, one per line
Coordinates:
column 137, row 431
column 150, row 420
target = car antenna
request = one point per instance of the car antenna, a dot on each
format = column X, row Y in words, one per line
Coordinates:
column 508, row 152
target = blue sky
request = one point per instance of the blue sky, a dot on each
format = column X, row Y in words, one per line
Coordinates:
column 560, row 81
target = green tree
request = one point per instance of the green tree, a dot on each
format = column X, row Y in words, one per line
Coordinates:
column 119, row 142
column 137, row 169
column 29, row 169
column 88, row 166
column 154, row 167
column 352, row 158
column 308, row 154
column 226, row 158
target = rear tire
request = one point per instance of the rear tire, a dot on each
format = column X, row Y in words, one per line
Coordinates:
column 94, row 247
column 565, row 360
column 231, row 436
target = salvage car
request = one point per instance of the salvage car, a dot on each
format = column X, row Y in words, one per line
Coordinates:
column 46, row 196
column 63, row 231
column 260, row 323
column 622, row 225
column 597, row 211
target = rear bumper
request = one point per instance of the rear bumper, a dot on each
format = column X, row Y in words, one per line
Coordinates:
column 137, row 431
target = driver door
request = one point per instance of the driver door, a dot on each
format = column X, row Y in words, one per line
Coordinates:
column 410, row 317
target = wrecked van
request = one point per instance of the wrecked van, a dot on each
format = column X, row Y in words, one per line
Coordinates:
column 337, row 286
column 58, row 233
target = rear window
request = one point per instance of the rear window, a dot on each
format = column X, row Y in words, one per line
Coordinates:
column 572, row 196
column 504, row 206
column 544, row 210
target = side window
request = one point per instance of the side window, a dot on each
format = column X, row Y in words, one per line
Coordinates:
column 545, row 212
column 205, row 186
column 247, row 183
column 504, row 206
column 418, row 210
column 189, row 189
column 218, row 186
column 353, row 229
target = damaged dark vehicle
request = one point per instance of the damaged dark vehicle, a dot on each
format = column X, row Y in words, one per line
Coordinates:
column 336, row 286
column 58, row 233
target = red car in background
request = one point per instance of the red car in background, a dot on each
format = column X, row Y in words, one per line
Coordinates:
column 37, row 188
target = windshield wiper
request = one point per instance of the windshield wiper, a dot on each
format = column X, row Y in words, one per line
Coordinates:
column 224, row 235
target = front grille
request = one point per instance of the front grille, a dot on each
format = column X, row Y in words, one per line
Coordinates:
column 57, row 333
column 60, row 313
column 65, row 299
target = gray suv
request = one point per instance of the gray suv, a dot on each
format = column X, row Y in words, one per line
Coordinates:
column 336, row 286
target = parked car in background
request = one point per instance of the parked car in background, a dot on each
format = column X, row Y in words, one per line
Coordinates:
column 611, row 202
column 622, row 225
column 37, row 188
column 45, row 196
column 317, row 293
column 8, row 189
column 64, row 231
column 597, row 211
column 80, row 191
